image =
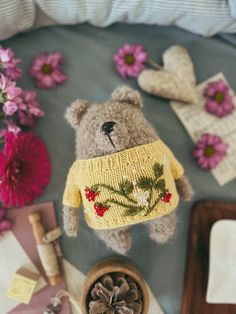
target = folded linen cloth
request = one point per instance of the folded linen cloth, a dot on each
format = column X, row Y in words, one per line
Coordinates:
column 222, row 269
column 206, row 17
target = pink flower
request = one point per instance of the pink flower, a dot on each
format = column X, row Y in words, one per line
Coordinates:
column 46, row 69
column 8, row 62
column 9, row 95
column 30, row 110
column 25, row 169
column 130, row 59
column 12, row 127
column 210, row 150
column 219, row 101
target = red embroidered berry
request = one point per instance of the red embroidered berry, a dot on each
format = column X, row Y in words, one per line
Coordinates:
column 100, row 209
column 166, row 198
column 90, row 194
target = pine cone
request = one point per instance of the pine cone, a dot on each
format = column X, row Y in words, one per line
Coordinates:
column 118, row 294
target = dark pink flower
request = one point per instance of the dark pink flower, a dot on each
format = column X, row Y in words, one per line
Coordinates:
column 25, row 169
column 8, row 63
column 46, row 69
column 130, row 59
column 210, row 150
column 29, row 110
column 219, row 101
column 9, row 96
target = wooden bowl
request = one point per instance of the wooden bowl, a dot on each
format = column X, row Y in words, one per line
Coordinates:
column 113, row 265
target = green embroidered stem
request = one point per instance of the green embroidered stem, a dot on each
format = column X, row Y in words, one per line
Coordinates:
column 110, row 188
column 130, row 210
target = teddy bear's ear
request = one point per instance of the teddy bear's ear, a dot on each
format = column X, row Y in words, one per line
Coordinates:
column 127, row 95
column 75, row 112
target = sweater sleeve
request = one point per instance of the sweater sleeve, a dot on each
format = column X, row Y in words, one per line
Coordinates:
column 175, row 166
column 71, row 196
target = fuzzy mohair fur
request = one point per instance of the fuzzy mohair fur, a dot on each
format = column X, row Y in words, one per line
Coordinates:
column 131, row 129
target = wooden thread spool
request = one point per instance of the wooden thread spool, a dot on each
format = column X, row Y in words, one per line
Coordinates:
column 39, row 232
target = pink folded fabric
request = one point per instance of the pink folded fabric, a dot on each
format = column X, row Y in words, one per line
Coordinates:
column 23, row 232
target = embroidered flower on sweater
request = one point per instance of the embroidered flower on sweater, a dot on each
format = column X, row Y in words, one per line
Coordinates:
column 141, row 196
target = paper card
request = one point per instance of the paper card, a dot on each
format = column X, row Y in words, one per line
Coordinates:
column 12, row 258
column 222, row 269
column 197, row 121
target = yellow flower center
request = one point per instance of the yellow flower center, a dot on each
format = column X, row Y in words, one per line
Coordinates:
column 129, row 59
column 47, row 69
column 209, row 151
column 219, row 97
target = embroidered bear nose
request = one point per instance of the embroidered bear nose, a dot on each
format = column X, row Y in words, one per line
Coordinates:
column 107, row 127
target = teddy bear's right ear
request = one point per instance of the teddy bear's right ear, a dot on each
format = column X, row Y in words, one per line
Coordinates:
column 75, row 112
column 127, row 95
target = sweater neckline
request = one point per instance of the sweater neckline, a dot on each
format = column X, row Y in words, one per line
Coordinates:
column 130, row 154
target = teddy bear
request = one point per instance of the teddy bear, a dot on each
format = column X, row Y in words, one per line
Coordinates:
column 123, row 174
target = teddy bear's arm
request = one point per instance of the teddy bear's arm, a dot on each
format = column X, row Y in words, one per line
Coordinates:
column 70, row 220
column 184, row 188
column 183, row 185
column 71, row 203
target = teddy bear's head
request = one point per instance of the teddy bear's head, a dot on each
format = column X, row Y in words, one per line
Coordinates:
column 116, row 125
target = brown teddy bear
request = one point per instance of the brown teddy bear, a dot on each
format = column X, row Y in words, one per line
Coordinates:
column 123, row 174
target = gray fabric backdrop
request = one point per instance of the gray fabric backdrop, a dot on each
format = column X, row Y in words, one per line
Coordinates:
column 88, row 53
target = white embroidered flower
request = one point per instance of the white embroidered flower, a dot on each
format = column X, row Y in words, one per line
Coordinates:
column 142, row 197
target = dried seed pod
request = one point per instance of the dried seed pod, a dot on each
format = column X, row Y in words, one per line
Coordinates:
column 115, row 294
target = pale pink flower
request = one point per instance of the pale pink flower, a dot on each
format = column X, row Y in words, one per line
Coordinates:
column 46, row 69
column 130, row 59
column 9, row 96
column 219, row 101
column 209, row 151
column 30, row 109
column 8, row 63
column 12, row 127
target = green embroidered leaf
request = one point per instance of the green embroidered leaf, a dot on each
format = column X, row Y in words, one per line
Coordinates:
column 160, row 185
column 95, row 188
column 158, row 170
column 126, row 187
column 132, row 211
column 145, row 183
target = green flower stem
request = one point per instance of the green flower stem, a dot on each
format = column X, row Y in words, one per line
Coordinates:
column 110, row 188
column 131, row 210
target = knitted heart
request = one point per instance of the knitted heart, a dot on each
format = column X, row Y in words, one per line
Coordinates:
column 176, row 80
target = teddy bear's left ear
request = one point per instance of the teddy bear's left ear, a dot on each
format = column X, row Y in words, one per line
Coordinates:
column 127, row 95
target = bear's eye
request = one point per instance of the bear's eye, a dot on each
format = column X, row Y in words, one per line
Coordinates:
column 107, row 127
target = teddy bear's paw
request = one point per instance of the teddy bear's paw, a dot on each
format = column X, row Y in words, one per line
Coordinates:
column 70, row 219
column 119, row 240
column 184, row 188
column 162, row 229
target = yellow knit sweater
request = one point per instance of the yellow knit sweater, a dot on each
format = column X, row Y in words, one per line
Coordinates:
column 128, row 187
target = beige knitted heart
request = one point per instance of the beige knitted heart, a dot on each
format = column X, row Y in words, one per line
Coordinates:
column 175, row 81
